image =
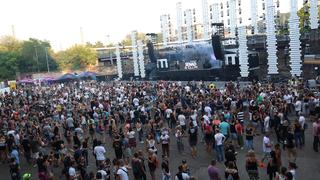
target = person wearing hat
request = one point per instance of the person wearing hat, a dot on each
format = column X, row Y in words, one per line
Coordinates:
column 26, row 176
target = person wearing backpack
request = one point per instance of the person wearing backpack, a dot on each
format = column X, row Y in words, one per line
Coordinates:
column 122, row 172
column 181, row 175
column 137, row 167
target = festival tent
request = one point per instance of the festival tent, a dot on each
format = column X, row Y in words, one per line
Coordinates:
column 48, row 79
column 67, row 77
column 26, row 81
column 88, row 74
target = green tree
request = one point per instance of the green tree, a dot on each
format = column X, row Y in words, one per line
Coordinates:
column 304, row 19
column 10, row 43
column 127, row 40
column 8, row 65
column 34, row 54
column 77, row 57
column 97, row 44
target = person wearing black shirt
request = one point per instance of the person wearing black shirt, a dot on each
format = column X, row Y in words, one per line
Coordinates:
column 26, row 148
column 76, row 140
column 290, row 146
column 117, row 145
column 193, row 139
column 14, row 170
column 277, row 127
column 165, row 168
column 249, row 136
column 84, row 149
column 42, row 169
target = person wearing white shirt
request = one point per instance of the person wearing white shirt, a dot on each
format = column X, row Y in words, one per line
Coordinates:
column 187, row 88
column 165, row 140
column 99, row 152
column 298, row 106
column 206, row 119
column 103, row 174
column 181, row 175
column 182, row 121
column 135, row 102
column 168, row 113
column 288, row 98
column 208, row 110
column 266, row 124
column 302, row 121
column 194, row 118
column 122, row 172
column 219, row 139
column 72, row 172
column 266, row 146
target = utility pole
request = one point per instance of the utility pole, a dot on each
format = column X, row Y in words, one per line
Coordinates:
column 13, row 31
column 46, row 50
column 110, row 53
column 81, row 36
column 35, row 48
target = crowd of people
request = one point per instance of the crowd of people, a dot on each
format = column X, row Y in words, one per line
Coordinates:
column 57, row 128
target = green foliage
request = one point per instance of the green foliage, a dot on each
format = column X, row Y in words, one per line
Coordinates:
column 97, row 44
column 304, row 19
column 8, row 65
column 127, row 40
column 9, row 43
column 76, row 57
column 20, row 56
column 33, row 56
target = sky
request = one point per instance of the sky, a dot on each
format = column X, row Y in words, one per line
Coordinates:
column 59, row 21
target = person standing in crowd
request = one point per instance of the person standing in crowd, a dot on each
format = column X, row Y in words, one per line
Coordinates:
column 249, row 136
column 290, row 146
column 272, row 166
column 297, row 134
column 153, row 164
column 179, row 139
column 278, row 155
column 303, row 125
column 266, row 146
column 181, row 175
column 292, row 169
column 165, row 168
column 282, row 174
column 137, row 167
column 219, row 139
column 140, row 131
column 252, row 166
column 99, row 152
column 193, row 139
column 118, row 147
column 208, row 136
column 122, row 172
column 231, row 172
column 165, row 142
column 298, row 106
column 239, row 130
column 316, row 135
column 14, row 169
column 213, row 171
